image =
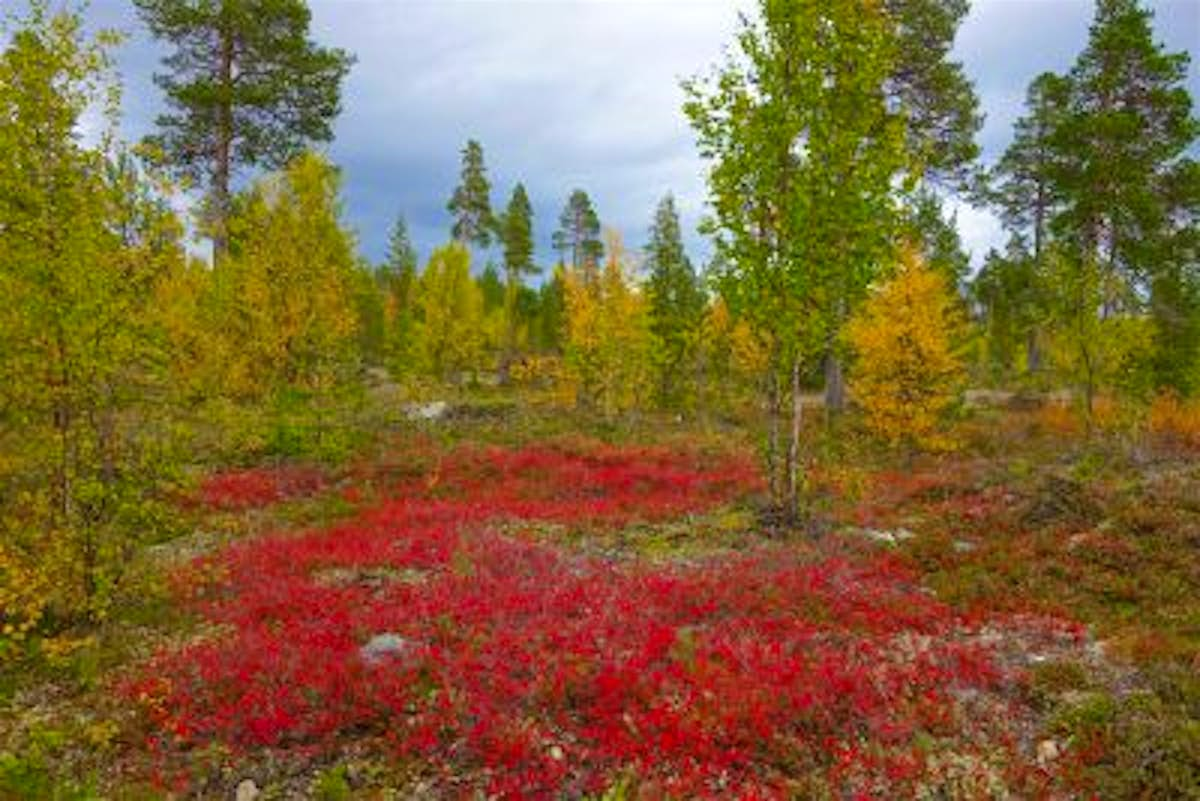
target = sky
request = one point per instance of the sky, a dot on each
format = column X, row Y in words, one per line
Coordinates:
column 567, row 93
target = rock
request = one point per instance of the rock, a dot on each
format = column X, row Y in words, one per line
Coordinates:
column 963, row 546
column 247, row 790
column 556, row 753
column 382, row 646
column 886, row 537
column 1047, row 752
column 434, row 410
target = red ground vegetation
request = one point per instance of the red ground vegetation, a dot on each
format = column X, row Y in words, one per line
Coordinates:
column 527, row 670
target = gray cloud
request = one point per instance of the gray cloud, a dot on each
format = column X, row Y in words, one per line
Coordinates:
column 565, row 94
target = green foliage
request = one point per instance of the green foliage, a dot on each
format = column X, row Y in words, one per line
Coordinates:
column 1009, row 292
column 803, row 150
column 284, row 302
column 1099, row 175
column 244, row 86
column 398, row 280
column 471, row 203
column 1094, row 343
column 941, row 108
column 578, row 234
column 924, row 223
column 1149, row 742
column 516, row 234
column 81, row 351
column 450, row 313
column 332, row 785
column 676, row 303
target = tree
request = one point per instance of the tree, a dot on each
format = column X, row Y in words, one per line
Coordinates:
column 287, row 291
column 804, row 150
column 937, row 237
column 398, row 277
column 1130, row 129
column 1099, row 173
column 450, row 313
column 908, row 374
column 1096, row 340
column 471, row 204
column 676, row 302
column 1024, row 184
column 516, row 234
column 1009, row 294
column 245, row 86
column 941, row 107
column 579, row 234
column 607, row 336
column 86, row 241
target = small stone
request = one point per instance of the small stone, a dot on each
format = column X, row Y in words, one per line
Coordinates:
column 434, row 410
column 1047, row 752
column 382, row 646
column 247, row 790
column 963, row 546
column 556, row 753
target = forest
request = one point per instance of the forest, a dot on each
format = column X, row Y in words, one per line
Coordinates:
column 831, row 513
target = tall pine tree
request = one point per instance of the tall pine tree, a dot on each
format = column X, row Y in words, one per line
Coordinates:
column 516, row 234
column 471, row 204
column 578, row 234
column 244, row 86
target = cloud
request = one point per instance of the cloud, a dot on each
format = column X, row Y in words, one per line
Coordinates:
column 585, row 94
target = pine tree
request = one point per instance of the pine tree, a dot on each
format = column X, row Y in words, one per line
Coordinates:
column 245, row 86
column 942, row 109
column 1024, row 184
column 676, row 302
column 1128, row 135
column 516, row 233
column 578, row 234
column 471, row 203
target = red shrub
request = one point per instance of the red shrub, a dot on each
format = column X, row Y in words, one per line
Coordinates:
column 260, row 486
column 539, row 673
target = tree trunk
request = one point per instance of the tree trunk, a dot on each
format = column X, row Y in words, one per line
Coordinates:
column 835, row 384
column 223, row 155
column 1033, row 355
column 793, row 462
column 773, row 434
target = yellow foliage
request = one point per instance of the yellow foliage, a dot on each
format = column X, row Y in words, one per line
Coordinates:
column 908, row 373
column 24, row 593
column 607, row 335
column 285, row 298
column 543, row 379
column 451, row 329
column 1175, row 421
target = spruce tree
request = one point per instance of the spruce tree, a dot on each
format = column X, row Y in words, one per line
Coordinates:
column 398, row 277
column 245, row 85
column 676, row 301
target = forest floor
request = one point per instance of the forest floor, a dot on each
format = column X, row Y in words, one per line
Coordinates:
column 474, row 610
